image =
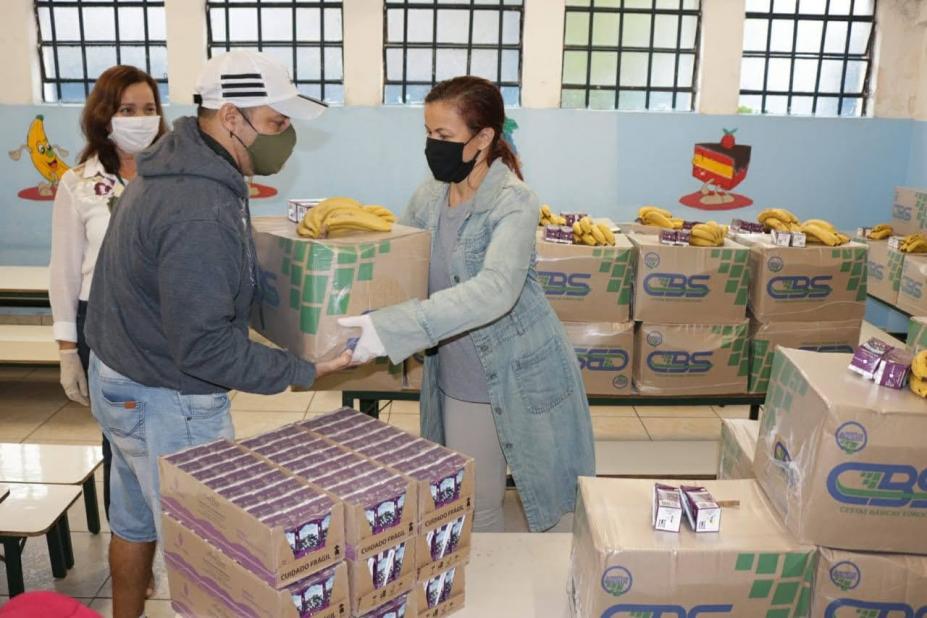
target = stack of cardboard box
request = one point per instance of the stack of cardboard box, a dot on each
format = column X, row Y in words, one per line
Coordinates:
column 690, row 308
column 842, row 460
column 338, row 516
column 917, row 334
column 590, row 290
column 809, row 298
column 738, row 445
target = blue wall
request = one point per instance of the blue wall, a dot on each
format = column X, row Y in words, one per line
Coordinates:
column 605, row 163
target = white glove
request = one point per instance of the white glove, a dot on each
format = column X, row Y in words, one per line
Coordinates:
column 368, row 345
column 73, row 378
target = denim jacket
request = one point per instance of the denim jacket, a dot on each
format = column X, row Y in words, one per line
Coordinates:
column 535, row 387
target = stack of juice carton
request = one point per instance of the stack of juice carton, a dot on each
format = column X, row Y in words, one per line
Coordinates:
column 380, row 517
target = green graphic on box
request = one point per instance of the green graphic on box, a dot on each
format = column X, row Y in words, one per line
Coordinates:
column 917, row 335
column 786, row 384
column 734, row 266
column 853, row 262
column 322, row 276
column 761, row 360
column 783, row 579
column 734, row 338
column 895, row 264
column 619, row 264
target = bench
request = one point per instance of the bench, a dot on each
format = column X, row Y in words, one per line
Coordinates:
column 26, row 286
column 35, row 510
column 55, row 464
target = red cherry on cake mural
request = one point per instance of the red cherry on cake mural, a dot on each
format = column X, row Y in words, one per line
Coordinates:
column 728, row 140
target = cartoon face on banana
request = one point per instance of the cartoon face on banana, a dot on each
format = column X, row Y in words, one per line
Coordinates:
column 44, row 155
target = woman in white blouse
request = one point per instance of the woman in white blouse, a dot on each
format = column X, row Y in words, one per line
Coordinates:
column 122, row 117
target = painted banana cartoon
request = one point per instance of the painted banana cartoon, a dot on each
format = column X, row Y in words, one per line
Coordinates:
column 46, row 158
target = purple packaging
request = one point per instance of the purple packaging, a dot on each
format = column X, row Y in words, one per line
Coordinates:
column 438, row 589
column 313, row 594
column 195, row 452
column 401, row 606
column 552, row 233
column 443, row 541
column 688, row 225
column 867, row 356
column 385, row 567
column 683, row 237
column 668, row 237
column 893, row 369
column 573, row 217
column 748, row 227
column 702, row 512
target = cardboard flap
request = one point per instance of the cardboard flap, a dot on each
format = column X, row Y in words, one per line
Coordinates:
column 284, row 228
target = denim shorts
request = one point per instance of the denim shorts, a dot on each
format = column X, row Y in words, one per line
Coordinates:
column 143, row 423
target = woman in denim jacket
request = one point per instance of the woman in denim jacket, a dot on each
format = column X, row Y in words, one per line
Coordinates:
column 501, row 382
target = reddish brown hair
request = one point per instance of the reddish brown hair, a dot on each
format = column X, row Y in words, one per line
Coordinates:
column 479, row 103
column 102, row 105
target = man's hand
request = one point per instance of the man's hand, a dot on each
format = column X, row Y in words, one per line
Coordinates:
column 336, row 364
column 369, row 345
column 73, row 378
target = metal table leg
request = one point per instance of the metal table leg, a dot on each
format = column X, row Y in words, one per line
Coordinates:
column 13, row 559
column 754, row 412
column 91, row 505
column 370, row 407
column 347, row 399
column 64, row 528
column 56, row 552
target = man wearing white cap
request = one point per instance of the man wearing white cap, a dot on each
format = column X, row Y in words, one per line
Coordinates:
column 173, row 289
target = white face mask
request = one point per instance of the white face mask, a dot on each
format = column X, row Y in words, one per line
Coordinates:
column 134, row 134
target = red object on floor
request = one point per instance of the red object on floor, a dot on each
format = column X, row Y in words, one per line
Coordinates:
column 47, row 605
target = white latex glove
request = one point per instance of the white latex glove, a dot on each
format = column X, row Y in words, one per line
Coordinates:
column 368, row 345
column 73, row 378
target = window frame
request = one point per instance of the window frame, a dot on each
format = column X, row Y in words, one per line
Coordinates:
column 406, row 5
column 820, row 56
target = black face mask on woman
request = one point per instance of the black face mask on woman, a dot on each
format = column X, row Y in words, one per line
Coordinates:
column 446, row 159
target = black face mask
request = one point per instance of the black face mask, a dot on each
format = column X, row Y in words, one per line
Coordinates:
column 446, row 160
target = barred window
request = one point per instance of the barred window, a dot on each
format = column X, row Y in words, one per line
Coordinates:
column 807, row 57
column 429, row 41
column 630, row 54
column 79, row 39
column 307, row 37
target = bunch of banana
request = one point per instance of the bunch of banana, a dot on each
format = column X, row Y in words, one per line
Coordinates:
column 588, row 232
column 823, row 232
column 708, row 235
column 660, row 217
column 778, row 219
column 341, row 216
column 913, row 243
column 549, row 218
column 880, row 232
column 918, row 381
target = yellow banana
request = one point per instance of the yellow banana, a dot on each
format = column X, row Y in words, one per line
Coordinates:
column 644, row 210
column 879, row 234
column 598, row 235
column 382, row 212
column 918, row 386
column 658, row 219
column 816, row 232
column 919, row 365
column 774, row 223
column 589, row 239
column 697, row 241
column 677, row 223
column 609, row 235
column 546, row 211
column 578, row 229
column 823, row 223
column 586, row 224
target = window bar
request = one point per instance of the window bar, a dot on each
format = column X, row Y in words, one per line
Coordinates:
column 434, row 46
column 321, row 52
column 817, row 79
column 54, row 46
column 769, row 25
column 295, row 48
column 868, row 75
column 499, row 51
column 260, row 29
column 228, row 26
column 846, row 59
column 653, row 23
column 147, row 46
column 695, row 57
column 83, row 48
column 116, row 22
column 405, row 52
column 792, row 60
column 470, row 37
column 678, row 54
column 210, row 39
column 589, row 52
column 620, row 43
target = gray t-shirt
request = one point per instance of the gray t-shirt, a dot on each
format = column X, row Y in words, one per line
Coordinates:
column 460, row 373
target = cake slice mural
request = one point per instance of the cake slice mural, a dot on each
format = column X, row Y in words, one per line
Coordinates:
column 720, row 166
column 47, row 158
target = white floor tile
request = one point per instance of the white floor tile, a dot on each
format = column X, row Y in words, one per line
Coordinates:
column 84, row 580
column 618, row 428
column 72, row 422
column 732, row 411
column 675, row 412
column 683, row 428
column 248, row 424
column 325, row 401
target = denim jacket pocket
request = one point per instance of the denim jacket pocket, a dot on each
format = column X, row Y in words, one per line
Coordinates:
column 543, row 377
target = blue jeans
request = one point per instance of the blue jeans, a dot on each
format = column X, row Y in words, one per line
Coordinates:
column 143, row 423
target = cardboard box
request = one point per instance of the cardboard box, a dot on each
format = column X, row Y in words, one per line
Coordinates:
column 442, row 593
column 841, row 458
column 767, row 337
column 206, row 582
column 621, row 567
column 690, row 285
column 738, row 445
column 862, row 584
column 909, row 211
column 444, row 478
column 379, row 503
column 806, row 284
column 220, row 491
column 917, row 334
column 912, row 294
column 441, row 545
column 378, row 375
column 414, row 372
column 884, row 271
column 587, row 284
column 381, row 577
column 606, row 356
column 308, row 284
column 403, row 606
column 691, row 359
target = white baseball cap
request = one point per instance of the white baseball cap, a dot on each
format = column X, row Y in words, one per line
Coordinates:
column 248, row 78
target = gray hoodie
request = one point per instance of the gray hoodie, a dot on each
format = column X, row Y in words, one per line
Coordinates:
column 176, row 278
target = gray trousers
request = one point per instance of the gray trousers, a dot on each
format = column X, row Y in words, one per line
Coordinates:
column 471, row 429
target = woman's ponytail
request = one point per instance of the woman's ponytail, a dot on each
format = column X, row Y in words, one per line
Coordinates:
column 502, row 150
